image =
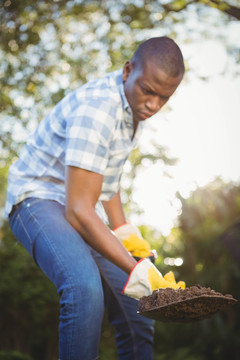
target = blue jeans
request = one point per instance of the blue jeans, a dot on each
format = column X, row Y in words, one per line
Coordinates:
column 86, row 283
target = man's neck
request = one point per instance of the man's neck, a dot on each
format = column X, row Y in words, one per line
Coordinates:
column 135, row 125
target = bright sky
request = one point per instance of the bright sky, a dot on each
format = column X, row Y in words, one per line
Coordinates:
column 202, row 131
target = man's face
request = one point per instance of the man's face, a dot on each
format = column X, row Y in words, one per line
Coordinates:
column 147, row 88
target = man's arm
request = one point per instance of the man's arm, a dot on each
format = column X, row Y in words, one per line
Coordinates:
column 114, row 211
column 83, row 189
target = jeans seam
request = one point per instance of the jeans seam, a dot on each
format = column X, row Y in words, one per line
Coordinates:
column 18, row 217
column 33, row 243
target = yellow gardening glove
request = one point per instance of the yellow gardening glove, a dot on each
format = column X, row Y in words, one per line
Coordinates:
column 131, row 238
column 145, row 278
column 171, row 278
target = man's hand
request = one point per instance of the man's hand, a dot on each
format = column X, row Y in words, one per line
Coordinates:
column 145, row 278
column 131, row 238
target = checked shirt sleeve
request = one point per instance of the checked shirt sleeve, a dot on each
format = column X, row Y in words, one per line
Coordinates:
column 88, row 135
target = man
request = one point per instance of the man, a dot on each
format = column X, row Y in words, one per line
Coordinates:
column 71, row 166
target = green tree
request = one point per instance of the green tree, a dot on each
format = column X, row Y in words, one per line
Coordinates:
column 230, row 8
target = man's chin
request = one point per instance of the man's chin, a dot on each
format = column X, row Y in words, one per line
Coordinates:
column 143, row 116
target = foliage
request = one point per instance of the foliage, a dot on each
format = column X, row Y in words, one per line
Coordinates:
column 224, row 6
column 205, row 216
column 28, row 303
column 50, row 47
column 13, row 355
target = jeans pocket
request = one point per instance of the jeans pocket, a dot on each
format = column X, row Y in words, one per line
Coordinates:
column 19, row 222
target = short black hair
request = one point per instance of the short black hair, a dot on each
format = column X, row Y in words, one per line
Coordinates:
column 164, row 52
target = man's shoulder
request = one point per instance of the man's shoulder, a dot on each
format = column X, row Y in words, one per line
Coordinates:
column 107, row 88
column 102, row 98
column 104, row 94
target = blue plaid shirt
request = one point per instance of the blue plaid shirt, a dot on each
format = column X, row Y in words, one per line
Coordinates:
column 91, row 128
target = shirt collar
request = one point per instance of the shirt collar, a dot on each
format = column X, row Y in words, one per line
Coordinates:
column 125, row 104
column 128, row 118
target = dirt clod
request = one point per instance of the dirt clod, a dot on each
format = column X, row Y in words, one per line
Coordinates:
column 190, row 304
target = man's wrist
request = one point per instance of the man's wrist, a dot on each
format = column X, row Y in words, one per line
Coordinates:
column 119, row 226
column 125, row 230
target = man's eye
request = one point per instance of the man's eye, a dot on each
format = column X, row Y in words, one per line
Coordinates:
column 145, row 91
column 165, row 98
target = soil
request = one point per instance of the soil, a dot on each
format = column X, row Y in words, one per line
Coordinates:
column 190, row 304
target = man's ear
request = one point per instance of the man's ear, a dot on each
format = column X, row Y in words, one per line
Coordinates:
column 127, row 69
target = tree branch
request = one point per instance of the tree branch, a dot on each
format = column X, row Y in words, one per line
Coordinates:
column 225, row 7
column 177, row 6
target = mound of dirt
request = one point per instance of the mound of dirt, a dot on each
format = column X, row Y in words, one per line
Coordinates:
column 191, row 304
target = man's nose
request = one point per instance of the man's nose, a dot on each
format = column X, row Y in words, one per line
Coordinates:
column 154, row 104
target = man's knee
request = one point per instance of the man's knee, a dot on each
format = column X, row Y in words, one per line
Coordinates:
column 85, row 294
